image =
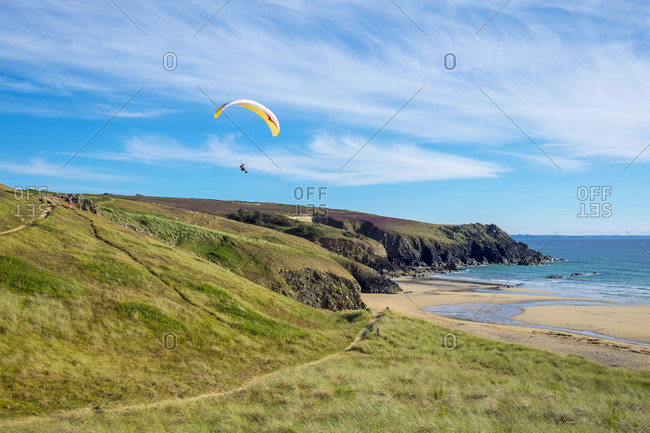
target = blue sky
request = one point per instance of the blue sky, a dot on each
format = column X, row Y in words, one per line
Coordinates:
column 572, row 75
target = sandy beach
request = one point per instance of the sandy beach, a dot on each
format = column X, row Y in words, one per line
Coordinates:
column 620, row 322
column 629, row 322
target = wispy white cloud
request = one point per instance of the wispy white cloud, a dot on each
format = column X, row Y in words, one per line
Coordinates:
column 41, row 169
column 581, row 93
column 320, row 160
column 145, row 113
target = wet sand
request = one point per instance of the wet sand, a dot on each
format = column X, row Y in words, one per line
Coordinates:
column 608, row 320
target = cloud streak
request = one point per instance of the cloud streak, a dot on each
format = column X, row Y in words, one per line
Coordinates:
column 38, row 168
column 353, row 64
column 318, row 161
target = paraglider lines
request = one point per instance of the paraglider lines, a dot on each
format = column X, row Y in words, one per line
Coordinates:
column 240, row 128
column 251, row 139
column 382, row 127
column 518, row 127
column 102, row 127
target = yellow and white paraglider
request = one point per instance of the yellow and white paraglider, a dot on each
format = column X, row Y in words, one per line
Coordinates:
column 257, row 108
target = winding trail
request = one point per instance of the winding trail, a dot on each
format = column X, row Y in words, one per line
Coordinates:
column 172, row 401
column 44, row 215
column 89, row 412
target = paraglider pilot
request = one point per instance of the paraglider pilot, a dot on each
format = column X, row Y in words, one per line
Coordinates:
column 242, row 167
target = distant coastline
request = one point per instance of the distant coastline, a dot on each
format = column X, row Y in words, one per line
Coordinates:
column 520, row 237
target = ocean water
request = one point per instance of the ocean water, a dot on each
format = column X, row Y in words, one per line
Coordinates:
column 615, row 269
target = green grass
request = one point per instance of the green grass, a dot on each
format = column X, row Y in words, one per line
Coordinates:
column 247, row 320
column 151, row 316
column 444, row 234
column 165, row 228
column 18, row 207
column 276, row 215
column 405, row 380
column 85, row 303
column 234, row 245
column 20, row 276
column 281, row 223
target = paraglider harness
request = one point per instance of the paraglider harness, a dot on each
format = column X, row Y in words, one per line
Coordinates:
column 242, row 167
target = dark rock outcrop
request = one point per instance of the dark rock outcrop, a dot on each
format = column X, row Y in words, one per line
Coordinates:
column 448, row 248
column 369, row 279
column 319, row 289
column 531, row 261
column 357, row 251
column 80, row 202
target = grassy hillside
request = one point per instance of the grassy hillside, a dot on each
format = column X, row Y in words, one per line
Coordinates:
column 285, row 218
column 223, row 241
column 234, row 244
column 86, row 303
column 404, row 379
column 440, row 232
column 146, row 303
column 443, row 233
column 383, row 243
column 221, row 208
column 18, row 207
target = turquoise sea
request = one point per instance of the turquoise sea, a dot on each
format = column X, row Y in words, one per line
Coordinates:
column 613, row 269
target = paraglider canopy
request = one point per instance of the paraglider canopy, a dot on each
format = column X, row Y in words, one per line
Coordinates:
column 256, row 108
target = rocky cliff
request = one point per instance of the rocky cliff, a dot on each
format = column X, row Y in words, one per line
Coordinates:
column 371, row 248
column 410, row 244
column 364, row 254
column 319, row 289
